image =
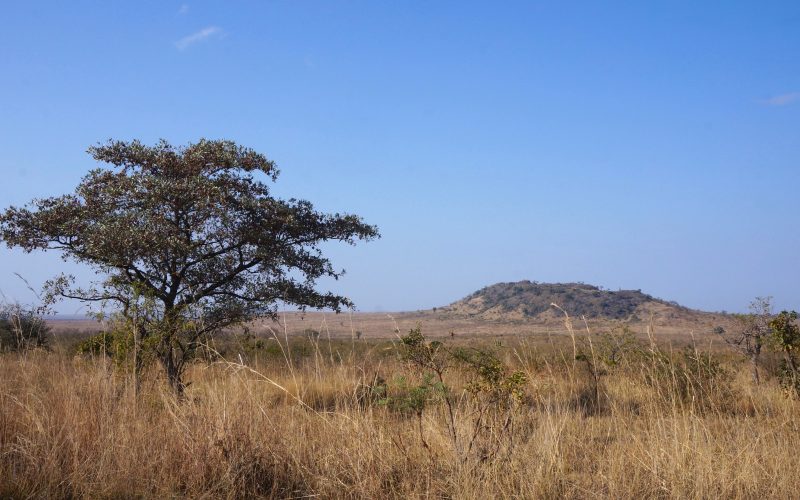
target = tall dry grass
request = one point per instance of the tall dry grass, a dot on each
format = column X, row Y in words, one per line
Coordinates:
column 262, row 427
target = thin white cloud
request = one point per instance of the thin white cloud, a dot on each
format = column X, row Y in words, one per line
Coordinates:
column 783, row 99
column 194, row 38
column 184, row 9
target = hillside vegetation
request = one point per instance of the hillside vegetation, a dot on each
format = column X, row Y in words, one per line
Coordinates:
column 532, row 300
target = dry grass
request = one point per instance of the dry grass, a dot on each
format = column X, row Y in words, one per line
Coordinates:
column 70, row 427
column 441, row 323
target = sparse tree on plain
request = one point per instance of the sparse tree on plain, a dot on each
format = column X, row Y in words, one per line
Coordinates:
column 751, row 332
column 189, row 241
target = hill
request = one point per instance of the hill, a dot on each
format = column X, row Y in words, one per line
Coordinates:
column 526, row 300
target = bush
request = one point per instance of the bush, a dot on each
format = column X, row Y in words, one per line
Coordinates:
column 785, row 338
column 101, row 344
column 22, row 329
column 493, row 394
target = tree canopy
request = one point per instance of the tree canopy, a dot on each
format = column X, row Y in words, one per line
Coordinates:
column 188, row 228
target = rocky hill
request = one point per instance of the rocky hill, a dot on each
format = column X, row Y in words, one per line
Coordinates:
column 526, row 300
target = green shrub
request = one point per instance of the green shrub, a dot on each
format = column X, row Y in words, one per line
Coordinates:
column 101, row 344
column 22, row 329
column 785, row 338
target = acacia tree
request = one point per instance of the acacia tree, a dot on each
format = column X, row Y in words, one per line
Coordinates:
column 188, row 241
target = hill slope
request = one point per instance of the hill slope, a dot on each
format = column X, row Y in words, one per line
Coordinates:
column 532, row 300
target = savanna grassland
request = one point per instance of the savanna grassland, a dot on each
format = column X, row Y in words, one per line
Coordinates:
column 282, row 414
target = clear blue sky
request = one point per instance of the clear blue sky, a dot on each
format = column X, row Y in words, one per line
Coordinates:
column 651, row 145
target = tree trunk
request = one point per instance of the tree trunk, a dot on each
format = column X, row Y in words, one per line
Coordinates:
column 754, row 366
column 137, row 358
column 790, row 362
column 174, row 371
column 170, row 359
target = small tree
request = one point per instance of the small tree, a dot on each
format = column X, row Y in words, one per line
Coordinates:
column 494, row 391
column 189, row 241
column 751, row 332
column 786, row 339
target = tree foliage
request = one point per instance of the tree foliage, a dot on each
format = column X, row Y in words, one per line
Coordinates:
column 189, row 240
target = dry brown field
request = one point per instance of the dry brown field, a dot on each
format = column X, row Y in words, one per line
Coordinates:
column 385, row 325
column 302, row 416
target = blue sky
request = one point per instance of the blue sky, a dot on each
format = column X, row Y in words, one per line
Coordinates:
column 649, row 145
